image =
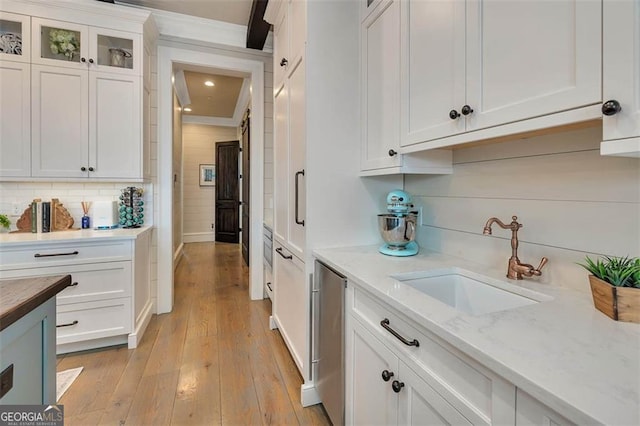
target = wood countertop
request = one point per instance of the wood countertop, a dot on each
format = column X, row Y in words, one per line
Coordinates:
column 18, row 297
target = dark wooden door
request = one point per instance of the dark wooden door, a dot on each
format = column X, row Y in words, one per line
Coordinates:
column 227, row 192
column 246, row 169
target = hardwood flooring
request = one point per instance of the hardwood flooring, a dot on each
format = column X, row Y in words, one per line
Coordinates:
column 212, row 361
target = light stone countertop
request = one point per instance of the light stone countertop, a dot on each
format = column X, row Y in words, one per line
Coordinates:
column 28, row 238
column 563, row 351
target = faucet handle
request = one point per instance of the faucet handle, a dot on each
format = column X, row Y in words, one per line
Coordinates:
column 537, row 271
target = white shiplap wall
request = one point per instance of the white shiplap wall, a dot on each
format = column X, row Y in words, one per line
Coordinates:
column 198, row 147
column 571, row 201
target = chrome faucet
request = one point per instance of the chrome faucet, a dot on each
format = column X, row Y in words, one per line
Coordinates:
column 515, row 270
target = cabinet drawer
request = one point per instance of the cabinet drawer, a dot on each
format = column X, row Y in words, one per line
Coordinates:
column 95, row 320
column 471, row 388
column 90, row 282
column 52, row 254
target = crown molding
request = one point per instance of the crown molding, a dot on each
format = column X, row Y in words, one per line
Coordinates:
column 209, row 121
column 180, row 86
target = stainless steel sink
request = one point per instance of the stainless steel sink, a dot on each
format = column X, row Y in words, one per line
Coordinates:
column 470, row 292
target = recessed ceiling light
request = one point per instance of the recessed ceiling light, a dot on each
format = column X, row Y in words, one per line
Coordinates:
column 186, row 109
column 209, row 83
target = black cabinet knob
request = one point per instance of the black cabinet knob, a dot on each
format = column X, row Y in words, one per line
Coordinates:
column 387, row 375
column 283, row 62
column 83, row 60
column 611, row 107
column 83, row 169
column 397, row 386
column 90, row 61
column 392, row 153
column 90, row 169
column 466, row 110
column 453, row 114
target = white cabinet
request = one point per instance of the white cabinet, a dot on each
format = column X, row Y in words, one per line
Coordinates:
column 531, row 412
column 432, row 382
column 621, row 78
column 289, row 33
column 15, row 119
column 15, row 37
column 109, row 299
column 290, row 302
column 380, row 91
column 469, row 66
column 85, row 98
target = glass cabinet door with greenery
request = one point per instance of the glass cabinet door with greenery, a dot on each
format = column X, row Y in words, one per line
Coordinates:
column 96, row 49
column 15, row 37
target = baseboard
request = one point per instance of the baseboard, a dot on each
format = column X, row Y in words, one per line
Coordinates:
column 309, row 394
column 90, row 344
column 199, row 237
column 273, row 324
column 135, row 337
column 177, row 256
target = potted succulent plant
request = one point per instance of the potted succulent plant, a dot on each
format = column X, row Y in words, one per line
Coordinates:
column 5, row 223
column 615, row 286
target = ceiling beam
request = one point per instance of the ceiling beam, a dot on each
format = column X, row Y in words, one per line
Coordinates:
column 258, row 28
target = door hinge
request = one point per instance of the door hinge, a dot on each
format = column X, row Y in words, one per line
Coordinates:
column 240, row 149
column 240, row 177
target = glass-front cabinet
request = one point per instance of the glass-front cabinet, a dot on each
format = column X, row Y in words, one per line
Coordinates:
column 77, row 46
column 15, row 37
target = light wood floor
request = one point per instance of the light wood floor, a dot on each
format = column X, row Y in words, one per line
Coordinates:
column 212, row 361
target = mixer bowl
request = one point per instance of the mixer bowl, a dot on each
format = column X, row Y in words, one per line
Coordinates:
column 397, row 231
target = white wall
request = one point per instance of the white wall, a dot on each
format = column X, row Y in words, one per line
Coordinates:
column 571, row 201
column 198, row 147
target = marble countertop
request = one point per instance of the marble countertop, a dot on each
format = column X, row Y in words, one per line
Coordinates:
column 562, row 351
column 16, row 238
column 18, row 297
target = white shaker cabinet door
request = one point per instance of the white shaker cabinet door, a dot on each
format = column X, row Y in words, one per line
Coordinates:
column 380, row 50
column 433, row 69
column 115, row 149
column 59, row 116
column 531, row 58
column 621, row 76
column 15, row 119
column 281, row 164
column 297, row 151
column 370, row 399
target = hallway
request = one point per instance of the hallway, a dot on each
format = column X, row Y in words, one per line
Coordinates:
column 212, row 361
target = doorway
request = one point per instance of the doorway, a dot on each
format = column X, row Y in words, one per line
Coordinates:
column 167, row 56
column 227, row 192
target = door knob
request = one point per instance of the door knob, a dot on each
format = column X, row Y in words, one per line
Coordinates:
column 397, row 386
column 453, row 114
column 387, row 375
column 611, row 107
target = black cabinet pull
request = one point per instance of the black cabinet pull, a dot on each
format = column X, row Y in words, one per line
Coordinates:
column 397, row 386
column 84, row 169
column 73, row 253
column 73, row 284
column 283, row 62
column 453, row 114
column 387, row 375
column 392, row 153
column 91, row 169
column 69, row 324
column 279, row 251
column 385, row 324
column 83, row 60
column 269, row 286
column 90, row 61
column 297, row 200
column 466, row 110
column 611, row 107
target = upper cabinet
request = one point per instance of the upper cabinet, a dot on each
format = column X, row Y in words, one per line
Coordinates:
column 15, row 37
column 380, row 99
column 621, row 78
column 71, row 45
column 474, row 65
column 74, row 105
column 289, row 38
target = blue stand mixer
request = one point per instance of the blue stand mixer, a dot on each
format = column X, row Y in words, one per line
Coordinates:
column 398, row 227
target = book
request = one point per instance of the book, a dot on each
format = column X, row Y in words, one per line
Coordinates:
column 34, row 216
column 39, row 216
column 46, row 216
